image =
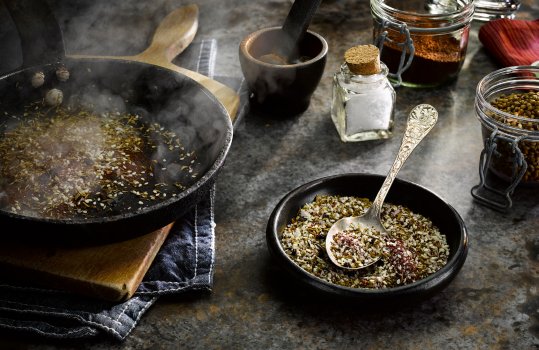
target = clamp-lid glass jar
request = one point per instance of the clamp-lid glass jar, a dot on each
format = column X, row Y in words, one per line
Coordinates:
column 423, row 42
column 507, row 105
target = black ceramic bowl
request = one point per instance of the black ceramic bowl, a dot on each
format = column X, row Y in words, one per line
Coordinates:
column 416, row 198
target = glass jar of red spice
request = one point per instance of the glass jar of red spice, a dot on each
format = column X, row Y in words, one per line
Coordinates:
column 423, row 42
column 507, row 105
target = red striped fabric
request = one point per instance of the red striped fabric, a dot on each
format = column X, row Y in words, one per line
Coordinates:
column 511, row 42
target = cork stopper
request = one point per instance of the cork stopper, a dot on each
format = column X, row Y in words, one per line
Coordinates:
column 363, row 59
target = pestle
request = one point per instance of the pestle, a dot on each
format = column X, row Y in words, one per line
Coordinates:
column 296, row 23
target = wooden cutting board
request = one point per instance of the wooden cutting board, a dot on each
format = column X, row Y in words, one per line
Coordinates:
column 110, row 272
column 113, row 271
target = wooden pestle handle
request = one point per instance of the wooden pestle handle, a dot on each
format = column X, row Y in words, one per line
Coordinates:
column 296, row 23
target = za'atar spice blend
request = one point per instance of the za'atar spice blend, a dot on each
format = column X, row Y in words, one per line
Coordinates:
column 414, row 249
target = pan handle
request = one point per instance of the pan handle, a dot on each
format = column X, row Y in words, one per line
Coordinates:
column 39, row 32
column 175, row 32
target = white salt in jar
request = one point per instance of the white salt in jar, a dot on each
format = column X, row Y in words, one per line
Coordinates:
column 363, row 98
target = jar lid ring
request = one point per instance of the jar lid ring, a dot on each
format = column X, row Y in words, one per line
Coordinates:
column 450, row 21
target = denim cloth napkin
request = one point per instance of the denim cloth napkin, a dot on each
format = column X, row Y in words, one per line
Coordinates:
column 184, row 263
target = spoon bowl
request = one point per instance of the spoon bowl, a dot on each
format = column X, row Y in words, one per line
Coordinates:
column 345, row 245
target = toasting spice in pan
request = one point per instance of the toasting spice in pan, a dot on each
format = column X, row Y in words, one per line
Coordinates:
column 63, row 162
column 38, row 79
column 414, row 249
column 54, row 97
column 62, row 74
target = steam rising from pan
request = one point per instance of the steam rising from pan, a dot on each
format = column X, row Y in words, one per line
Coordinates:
column 157, row 97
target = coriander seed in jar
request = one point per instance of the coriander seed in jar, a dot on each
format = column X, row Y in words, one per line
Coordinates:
column 423, row 42
column 507, row 105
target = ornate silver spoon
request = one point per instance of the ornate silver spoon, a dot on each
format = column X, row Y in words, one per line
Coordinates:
column 354, row 242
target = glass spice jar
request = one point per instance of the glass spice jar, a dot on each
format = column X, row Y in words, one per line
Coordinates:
column 423, row 42
column 507, row 105
column 363, row 98
column 486, row 10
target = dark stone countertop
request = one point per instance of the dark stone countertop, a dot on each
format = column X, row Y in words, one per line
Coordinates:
column 492, row 304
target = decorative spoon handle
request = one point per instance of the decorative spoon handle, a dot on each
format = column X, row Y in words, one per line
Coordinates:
column 420, row 121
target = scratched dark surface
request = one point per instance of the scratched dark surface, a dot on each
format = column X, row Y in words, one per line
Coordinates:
column 492, row 304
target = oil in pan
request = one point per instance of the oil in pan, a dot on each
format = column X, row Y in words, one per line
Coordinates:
column 76, row 160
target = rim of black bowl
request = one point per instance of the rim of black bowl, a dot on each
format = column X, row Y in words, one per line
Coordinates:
column 420, row 289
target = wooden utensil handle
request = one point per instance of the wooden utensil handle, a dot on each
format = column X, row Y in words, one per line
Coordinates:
column 167, row 42
column 173, row 34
